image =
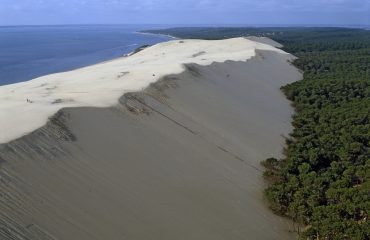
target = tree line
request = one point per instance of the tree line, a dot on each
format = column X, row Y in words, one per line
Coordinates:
column 323, row 180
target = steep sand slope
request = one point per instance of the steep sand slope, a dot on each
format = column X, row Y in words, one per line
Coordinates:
column 179, row 160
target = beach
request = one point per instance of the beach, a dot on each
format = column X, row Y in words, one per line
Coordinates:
column 28, row 52
column 163, row 144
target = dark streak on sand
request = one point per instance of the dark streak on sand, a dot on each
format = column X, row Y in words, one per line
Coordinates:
column 179, row 160
column 198, row 54
column 58, row 123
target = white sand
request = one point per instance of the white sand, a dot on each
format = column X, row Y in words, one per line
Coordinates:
column 103, row 84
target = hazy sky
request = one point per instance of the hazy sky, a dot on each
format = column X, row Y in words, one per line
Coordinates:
column 16, row 12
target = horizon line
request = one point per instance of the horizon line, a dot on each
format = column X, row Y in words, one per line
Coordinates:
column 189, row 24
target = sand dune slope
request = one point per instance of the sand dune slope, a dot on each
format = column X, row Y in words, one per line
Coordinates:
column 179, row 160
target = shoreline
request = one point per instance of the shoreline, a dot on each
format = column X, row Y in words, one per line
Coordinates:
column 158, row 34
column 87, row 46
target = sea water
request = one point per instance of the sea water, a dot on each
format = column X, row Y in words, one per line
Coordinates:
column 28, row 52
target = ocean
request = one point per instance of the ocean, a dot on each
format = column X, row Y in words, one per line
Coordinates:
column 27, row 52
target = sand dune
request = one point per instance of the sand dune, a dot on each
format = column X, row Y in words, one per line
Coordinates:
column 26, row 106
column 178, row 160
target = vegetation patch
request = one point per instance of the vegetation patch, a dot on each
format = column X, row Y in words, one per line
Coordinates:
column 323, row 182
